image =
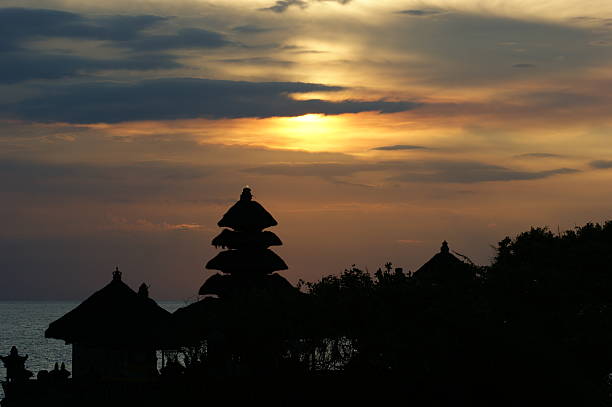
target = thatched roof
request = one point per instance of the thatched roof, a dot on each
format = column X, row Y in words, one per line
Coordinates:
column 227, row 285
column 444, row 266
column 247, row 215
column 113, row 316
column 247, row 261
column 245, row 240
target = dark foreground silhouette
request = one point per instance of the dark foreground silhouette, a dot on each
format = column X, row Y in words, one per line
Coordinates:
column 532, row 329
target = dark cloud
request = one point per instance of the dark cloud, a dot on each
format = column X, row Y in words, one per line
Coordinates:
column 183, row 98
column 19, row 26
column 250, row 29
column 184, row 38
column 22, row 66
column 460, row 172
column 399, row 147
column 601, row 164
column 282, row 5
column 472, row 172
column 300, row 50
column 258, row 61
column 540, row 155
column 422, row 12
column 523, row 66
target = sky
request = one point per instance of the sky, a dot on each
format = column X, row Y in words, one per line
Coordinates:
column 372, row 130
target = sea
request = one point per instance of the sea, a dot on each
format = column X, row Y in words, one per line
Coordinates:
column 23, row 324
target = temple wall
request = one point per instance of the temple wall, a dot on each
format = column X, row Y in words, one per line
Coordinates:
column 91, row 362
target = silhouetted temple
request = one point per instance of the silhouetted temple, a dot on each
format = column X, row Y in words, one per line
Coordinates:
column 114, row 333
column 250, row 327
column 444, row 268
column 247, row 262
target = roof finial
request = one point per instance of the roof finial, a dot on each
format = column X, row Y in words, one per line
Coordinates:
column 246, row 194
column 116, row 274
column 444, row 248
column 143, row 290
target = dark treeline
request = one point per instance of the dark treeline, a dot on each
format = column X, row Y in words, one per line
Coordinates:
column 533, row 328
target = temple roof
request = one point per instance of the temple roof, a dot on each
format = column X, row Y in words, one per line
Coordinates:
column 240, row 261
column 444, row 266
column 247, row 215
column 226, row 285
column 113, row 316
column 245, row 240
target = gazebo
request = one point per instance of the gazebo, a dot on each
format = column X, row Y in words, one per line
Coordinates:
column 114, row 333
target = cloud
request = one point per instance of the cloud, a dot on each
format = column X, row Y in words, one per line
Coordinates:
column 250, row 29
column 282, row 5
column 540, row 155
column 523, row 66
column 117, row 223
column 183, row 39
column 20, row 26
column 183, row 98
column 469, row 172
column 460, row 172
column 399, row 147
column 257, row 61
column 601, row 164
column 422, row 12
column 22, row 66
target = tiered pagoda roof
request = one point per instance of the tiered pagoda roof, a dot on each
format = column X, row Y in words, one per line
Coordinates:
column 247, row 260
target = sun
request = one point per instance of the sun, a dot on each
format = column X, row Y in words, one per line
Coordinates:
column 308, row 118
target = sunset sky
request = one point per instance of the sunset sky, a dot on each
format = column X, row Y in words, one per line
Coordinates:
column 371, row 129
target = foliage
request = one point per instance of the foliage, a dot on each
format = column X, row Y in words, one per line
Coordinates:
column 535, row 325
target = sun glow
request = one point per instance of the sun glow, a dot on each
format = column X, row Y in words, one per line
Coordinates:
column 308, row 118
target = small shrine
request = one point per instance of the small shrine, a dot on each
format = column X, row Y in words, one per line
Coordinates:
column 247, row 261
column 15, row 366
column 114, row 333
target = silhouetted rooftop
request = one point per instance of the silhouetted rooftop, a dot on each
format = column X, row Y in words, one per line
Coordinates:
column 245, row 240
column 224, row 285
column 240, row 261
column 443, row 265
column 115, row 315
column 247, row 215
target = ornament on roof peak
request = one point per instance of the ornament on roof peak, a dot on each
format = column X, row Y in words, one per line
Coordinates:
column 117, row 274
column 246, row 194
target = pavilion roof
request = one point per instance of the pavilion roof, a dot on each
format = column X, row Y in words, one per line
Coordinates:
column 114, row 316
column 444, row 266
